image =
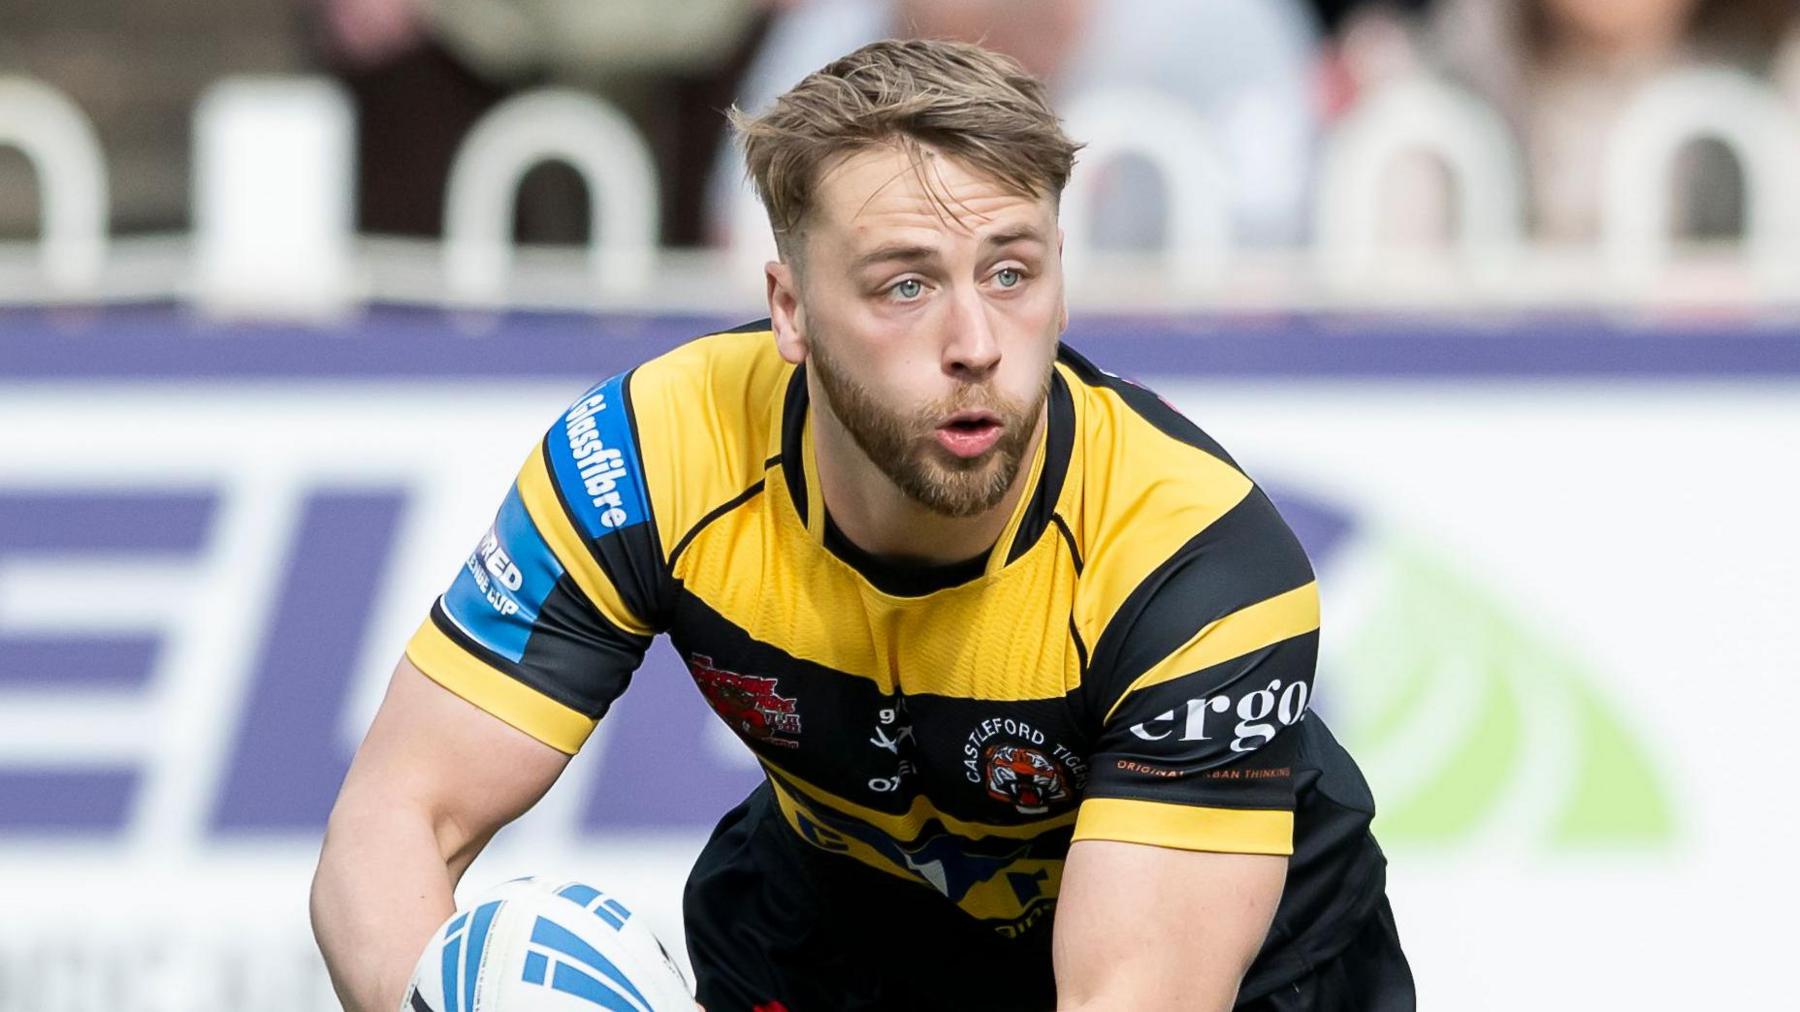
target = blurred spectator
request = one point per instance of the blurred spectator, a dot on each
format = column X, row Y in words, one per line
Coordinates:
column 424, row 71
column 1246, row 66
column 136, row 70
column 1334, row 14
column 1560, row 71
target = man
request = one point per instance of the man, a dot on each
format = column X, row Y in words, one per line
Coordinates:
column 1024, row 654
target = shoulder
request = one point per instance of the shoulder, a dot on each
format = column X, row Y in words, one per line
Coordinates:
column 1161, row 512
column 1147, row 479
column 708, row 418
column 669, row 440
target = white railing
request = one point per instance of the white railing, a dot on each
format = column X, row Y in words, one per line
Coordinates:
column 1738, row 111
column 1350, row 257
column 1418, row 117
column 1116, row 123
column 63, row 150
column 273, row 206
column 590, row 136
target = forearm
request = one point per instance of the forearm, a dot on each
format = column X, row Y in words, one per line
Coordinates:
column 1154, row 929
column 435, row 779
column 1152, row 985
column 383, row 885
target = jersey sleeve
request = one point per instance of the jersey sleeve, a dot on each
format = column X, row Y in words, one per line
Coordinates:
column 553, row 609
column 1199, row 684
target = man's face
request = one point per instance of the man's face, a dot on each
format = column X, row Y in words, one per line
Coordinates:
column 930, row 310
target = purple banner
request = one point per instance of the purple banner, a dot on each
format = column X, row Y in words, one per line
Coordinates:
column 165, row 341
column 165, row 525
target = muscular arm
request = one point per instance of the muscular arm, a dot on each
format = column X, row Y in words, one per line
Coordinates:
column 1147, row 928
column 433, row 781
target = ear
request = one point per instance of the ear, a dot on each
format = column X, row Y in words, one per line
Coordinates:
column 786, row 316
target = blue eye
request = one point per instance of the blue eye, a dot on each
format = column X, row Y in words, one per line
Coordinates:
column 1008, row 277
column 909, row 289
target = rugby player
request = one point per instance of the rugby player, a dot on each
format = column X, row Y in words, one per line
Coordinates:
column 1025, row 655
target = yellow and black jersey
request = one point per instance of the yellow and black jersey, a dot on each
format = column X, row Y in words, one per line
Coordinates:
column 1132, row 660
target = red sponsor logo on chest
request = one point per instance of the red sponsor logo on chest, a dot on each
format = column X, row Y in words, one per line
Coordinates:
column 749, row 703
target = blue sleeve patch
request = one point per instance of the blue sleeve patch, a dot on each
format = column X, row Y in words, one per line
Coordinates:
column 594, row 459
column 497, row 596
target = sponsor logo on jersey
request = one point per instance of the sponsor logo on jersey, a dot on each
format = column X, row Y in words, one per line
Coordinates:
column 490, row 563
column 1024, row 777
column 504, row 582
column 596, row 462
column 1259, row 715
column 951, row 864
column 749, row 703
column 601, row 466
column 894, row 732
column 1016, row 762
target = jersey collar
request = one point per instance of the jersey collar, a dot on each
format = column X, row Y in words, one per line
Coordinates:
column 1031, row 516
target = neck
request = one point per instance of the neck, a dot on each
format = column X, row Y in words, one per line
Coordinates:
column 885, row 522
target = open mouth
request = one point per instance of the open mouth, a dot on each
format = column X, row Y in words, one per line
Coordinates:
column 970, row 433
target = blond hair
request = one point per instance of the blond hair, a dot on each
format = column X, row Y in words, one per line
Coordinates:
column 972, row 104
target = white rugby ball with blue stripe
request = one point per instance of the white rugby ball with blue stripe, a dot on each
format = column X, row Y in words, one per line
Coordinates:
column 538, row 945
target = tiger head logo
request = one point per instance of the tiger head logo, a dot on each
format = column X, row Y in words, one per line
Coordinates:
column 1025, row 777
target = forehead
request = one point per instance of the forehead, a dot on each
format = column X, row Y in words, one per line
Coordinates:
column 876, row 194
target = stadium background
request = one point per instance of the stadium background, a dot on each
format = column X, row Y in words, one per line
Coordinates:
column 252, row 419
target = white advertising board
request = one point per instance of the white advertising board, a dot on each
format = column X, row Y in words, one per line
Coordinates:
column 1559, row 638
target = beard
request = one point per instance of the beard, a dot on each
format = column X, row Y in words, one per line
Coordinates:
column 903, row 444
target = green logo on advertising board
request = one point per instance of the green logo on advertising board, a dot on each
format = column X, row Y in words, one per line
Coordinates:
column 1475, row 726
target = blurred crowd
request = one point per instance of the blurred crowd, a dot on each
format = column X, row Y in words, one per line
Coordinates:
column 1268, row 77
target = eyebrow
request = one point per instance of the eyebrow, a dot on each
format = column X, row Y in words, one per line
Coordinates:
column 894, row 253
column 1018, row 233
column 915, row 253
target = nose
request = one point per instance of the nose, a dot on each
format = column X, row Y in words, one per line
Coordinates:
column 970, row 349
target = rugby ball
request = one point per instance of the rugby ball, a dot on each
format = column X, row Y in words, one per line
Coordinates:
column 539, row 945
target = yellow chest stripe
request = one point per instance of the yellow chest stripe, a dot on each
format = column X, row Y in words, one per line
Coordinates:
column 1000, row 637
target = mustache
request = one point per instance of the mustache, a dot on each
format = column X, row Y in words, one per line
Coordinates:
column 976, row 397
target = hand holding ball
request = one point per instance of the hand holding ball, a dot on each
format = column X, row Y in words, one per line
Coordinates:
column 534, row 945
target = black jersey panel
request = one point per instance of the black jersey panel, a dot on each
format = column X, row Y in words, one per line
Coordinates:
column 1059, row 444
column 879, row 751
column 1152, row 408
column 1218, row 737
column 1337, row 874
column 1247, row 556
column 762, row 326
column 576, row 656
column 793, row 428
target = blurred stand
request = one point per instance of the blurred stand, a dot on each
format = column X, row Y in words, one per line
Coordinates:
column 135, row 70
column 1242, row 67
column 1562, row 73
column 1641, row 156
column 424, row 72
